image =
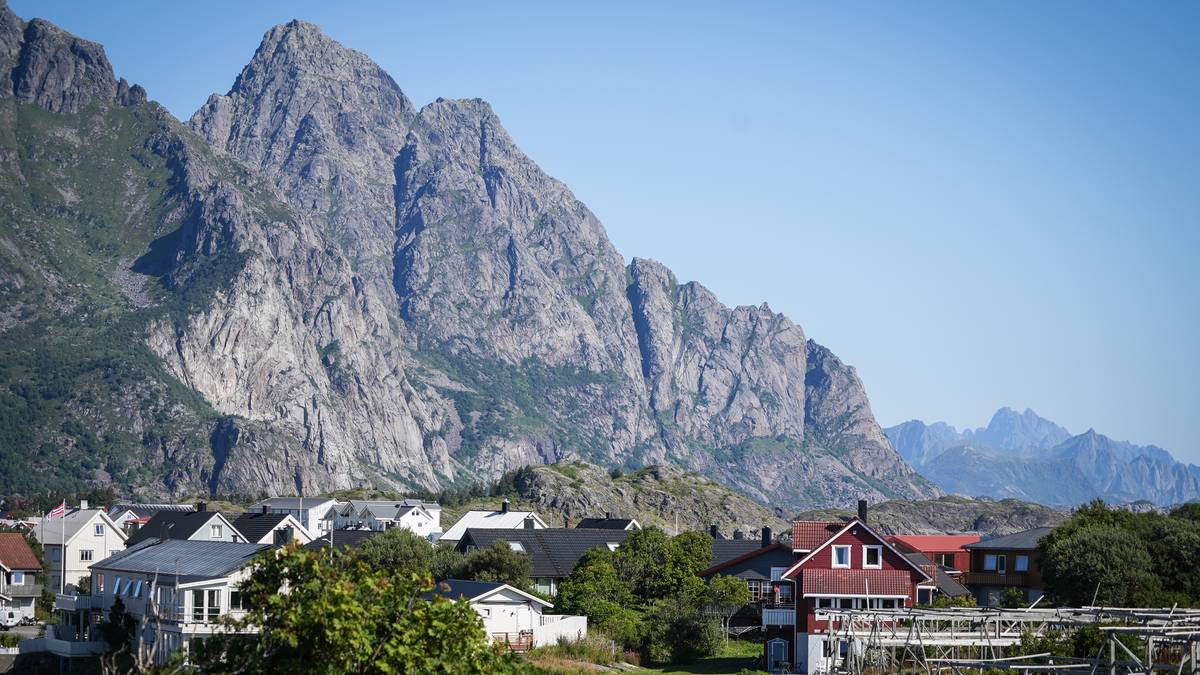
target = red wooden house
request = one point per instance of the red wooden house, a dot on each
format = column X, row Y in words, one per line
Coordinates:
column 947, row 550
column 843, row 565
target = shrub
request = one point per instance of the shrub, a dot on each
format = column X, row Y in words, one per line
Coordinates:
column 9, row 640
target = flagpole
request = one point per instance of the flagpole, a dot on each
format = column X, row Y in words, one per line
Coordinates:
column 62, row 554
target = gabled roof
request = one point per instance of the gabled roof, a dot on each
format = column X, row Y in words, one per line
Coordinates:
column 255, row 526
column 189, row 560
column 1018, row 541
column 894, row 583
column 351, row 539
column 297, row 503
column 609, row 524
column 730, row 562
column 855, row 522
column 144, row 510
column 807, row 535
column 15, row 553
column 553, row 552
column 725, row 550
column 176, row 525
column 477, row 591
column 490, row 519
column 75, row 521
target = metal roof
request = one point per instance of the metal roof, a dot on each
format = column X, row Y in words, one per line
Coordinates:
column 454, row 589
column 605, row 523
column 344, row 539
column 255, row 526
column 194, row 559
column 724, row 550
column 143, row 510
column 306, row 503
column 174, row 525
column 489, row 519
column 1018, row 541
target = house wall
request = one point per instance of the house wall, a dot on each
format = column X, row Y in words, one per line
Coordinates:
column 25, row 594
column 205, row 532
column 505, row 613
column 1030, row 579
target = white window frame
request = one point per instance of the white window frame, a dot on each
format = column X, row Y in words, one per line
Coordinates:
column 216, row 531
column 879, row 564
column 18, row 578
column 1021, row 563
column 98, row 530
column 87, row 555
column 834, row 561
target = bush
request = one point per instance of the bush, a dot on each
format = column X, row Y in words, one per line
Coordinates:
column 9, row 640
column 683, row 633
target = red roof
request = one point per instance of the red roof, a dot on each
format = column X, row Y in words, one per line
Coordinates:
column 15, row 553
column 935, row 542
column 850, row 582
column 809, row 534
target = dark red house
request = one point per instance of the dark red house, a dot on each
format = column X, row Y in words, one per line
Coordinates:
column 843, row 565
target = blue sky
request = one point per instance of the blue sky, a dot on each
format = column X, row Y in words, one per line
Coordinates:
column 976, row 204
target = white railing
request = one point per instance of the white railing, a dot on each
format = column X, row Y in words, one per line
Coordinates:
column 779, row 617
column 554, row 627
column 69, row 648
column 71, row 603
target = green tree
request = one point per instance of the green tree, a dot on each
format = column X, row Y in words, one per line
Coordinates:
column 682, row 633
column 498, row 562
column 658, row 566
column 1098, row 561
column 724, row 597
column 118, row 628
column 397, row 550
column 596, row 590
column 337, row 620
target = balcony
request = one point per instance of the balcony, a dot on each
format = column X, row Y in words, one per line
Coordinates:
column 778, row 616
column 72, row 603
column 995, row 579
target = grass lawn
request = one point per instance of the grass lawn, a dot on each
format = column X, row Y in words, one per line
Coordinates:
column 737, row 655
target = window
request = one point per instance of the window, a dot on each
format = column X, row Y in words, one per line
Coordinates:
column 872, row 557
column 117, row 586
column 777, row 573
column 137, row 589
column 846, row 603
column 785, row 594
column 206, row 605
column 944, row 559
column 217, row 532
column 1001, row 563
column 516, row 546
column 1021, row 563
column 56, row 554
column 98, row 584
column 824, row 603
column 98, row 530
column 841, row 556
column 18, row 578
column 237, row 601
column 85, row 554
column 924, row 596
column 989, row 562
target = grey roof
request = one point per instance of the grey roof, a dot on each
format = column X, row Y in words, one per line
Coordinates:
column 724, row 550
column 1019, row 541
column 73, row 521
column 344, row 539
column 605, row 523
column 255, row 526
column 553, row 552
column 143, row 510
column 292, row 503
column 454, row 589
column 172, row 525
column 190, row 560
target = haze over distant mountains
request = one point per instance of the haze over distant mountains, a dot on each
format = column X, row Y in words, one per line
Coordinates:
column 1026, row 456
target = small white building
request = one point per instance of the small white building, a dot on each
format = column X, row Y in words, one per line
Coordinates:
column 422, row 518
column 504, row 519
column 175, row 589
column 72, row 542
column 310, row 512
column 512, row 616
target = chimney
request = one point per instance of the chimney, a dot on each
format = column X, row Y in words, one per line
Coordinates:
column 608, row 515
column 737, row 534
column 504, row 505
column 266, row 509
column 766, row 536
column 201, row 507
column 567, row 522
column 712, row 531
column 83, row 504
column 862, row 511
column 529, row 522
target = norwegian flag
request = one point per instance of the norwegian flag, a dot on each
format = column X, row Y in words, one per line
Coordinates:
column 60, row 510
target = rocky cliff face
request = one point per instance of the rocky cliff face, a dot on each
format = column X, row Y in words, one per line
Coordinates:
column 349, row 291
column 1025, row 456
column 952, row 515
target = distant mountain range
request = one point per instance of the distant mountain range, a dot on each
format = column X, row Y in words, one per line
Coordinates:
column 1026, row 456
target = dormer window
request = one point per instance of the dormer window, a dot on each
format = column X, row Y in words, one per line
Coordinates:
column 841, row 556
column 872, row 557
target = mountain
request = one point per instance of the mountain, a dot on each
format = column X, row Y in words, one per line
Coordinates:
column 1025, row 456
column 661, row 495
column 316, row 285
column 952, row 515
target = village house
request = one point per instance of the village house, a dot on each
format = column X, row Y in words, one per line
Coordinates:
column 176, row 590
column 1003, row 563
column 609, row 522
column 311, row 512
column 129, row 516
column 423, row 519
column 948, row 551
column 198, row 525
column 276, row 529
column 761, row 564
column 20, row 578
column 75, row 540
column 553, row 552
column 504, row 519
column 511, row 616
